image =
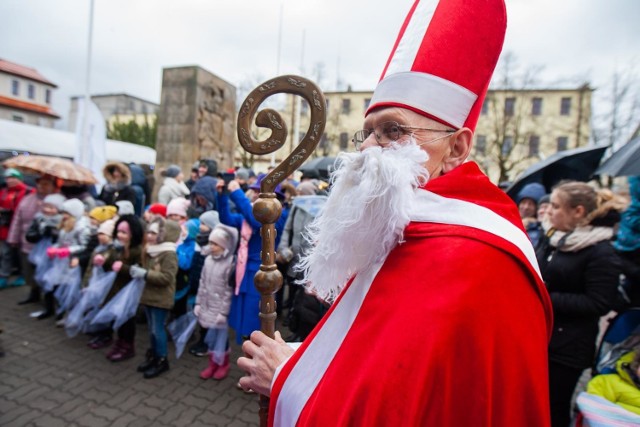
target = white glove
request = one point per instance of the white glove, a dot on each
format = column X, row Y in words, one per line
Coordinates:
column 137, row 272
column 196, row 310
column 221, row 320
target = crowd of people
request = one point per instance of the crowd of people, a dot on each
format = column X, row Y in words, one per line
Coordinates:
column 583, row 236
column 194, row 251
column 431, row 298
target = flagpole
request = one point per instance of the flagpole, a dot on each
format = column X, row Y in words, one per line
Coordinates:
column 297, row 103
column 273, row 155
column 83, row 150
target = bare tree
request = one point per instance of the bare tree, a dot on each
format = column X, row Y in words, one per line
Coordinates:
column 507, row 146
column 620, row 100
column 276, row 102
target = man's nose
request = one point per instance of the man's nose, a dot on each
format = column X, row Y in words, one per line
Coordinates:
column 370, row 141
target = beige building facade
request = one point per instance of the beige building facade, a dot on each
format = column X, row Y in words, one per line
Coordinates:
column 118, row 107
column 25, row 95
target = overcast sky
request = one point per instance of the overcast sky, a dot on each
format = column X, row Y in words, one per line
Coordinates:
column 575, row 40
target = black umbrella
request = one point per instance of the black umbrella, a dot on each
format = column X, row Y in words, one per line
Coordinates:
column 578, row 164
column 624, row 162
column 321, row 167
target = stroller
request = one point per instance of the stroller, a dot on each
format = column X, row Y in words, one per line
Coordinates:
column 621, row 336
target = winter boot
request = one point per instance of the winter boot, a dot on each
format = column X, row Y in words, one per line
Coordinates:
column 210, row 370
column 125, row 352
column 115, row 348
column 160, row 365
column 48, row 306
column 34, row 296
column 223, row 370
column 150, row 358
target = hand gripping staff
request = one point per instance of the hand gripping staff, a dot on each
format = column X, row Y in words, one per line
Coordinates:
column 267, row 208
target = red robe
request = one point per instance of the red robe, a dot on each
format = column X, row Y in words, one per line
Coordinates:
column 451, row 330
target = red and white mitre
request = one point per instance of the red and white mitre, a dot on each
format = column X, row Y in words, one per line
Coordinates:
column 443, row 59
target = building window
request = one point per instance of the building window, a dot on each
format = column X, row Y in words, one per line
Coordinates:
column 344, row 140
column 346, row 106
column 367, row 102
column 17, row 118
column 304, row 106
column 534, row 145
column 509, row 106
column 563, row 143
column 31, row 91
column 565, row 106
column 485, row 107
column 536, row 106
column 47, row 96
column 326, row 101
column 324, row 141
column 507, row 145
column 481, row 144
column 15, row 88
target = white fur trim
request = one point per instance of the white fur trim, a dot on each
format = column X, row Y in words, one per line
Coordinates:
column 428, row 93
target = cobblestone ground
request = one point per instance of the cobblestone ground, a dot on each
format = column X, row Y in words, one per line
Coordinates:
column 48, row 379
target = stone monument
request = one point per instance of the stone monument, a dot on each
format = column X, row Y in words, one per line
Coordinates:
column 197, row 120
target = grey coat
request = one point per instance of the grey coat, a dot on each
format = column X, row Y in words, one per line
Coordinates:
column 214, row 292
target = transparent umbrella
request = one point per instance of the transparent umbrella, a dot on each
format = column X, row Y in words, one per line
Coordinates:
column 58, row 167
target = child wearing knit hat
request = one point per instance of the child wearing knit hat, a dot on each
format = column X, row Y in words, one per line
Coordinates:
column 100, row 214
column 208, row 221
column 214, row 299
column 177, row 209
column 46, row 222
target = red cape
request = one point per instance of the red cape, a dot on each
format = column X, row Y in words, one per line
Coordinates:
column 453, row 331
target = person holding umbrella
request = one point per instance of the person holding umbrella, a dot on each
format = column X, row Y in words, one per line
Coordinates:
column 23, row 216
column 10, row 198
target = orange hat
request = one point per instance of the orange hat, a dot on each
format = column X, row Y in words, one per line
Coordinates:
column 442, row 62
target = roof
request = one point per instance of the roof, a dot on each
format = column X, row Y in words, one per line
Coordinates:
column 27, row 106
column 22, row 71
column 116, row 95
column 22, row 137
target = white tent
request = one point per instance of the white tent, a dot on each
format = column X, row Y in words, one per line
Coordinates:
column 23, row 138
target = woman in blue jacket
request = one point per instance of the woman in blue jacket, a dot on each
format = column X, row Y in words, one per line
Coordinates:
column 243, row 317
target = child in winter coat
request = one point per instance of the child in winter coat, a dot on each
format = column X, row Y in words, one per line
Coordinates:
column 160, row 266
column 47, row 221
column 125, row 252
column 208, row 221
column 45, row 225
column 73, row 237
column 185, row 252
column 214, row 299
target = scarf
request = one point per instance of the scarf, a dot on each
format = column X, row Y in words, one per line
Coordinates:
column 155, row 250
column 243, row 254
column 579, row 238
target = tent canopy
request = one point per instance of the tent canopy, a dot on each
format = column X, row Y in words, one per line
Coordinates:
column 24, row 138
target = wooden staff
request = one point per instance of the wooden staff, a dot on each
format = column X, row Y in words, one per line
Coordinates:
column 267, row 208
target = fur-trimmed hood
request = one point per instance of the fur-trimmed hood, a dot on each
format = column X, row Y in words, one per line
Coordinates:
column 109, row 167
column 167, row 230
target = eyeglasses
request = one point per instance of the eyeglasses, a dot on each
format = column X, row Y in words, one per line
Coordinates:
column 388, row 132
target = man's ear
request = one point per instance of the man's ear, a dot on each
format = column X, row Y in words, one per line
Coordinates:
column 460, row 147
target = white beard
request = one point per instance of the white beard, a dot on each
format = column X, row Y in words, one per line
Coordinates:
column 365, row 216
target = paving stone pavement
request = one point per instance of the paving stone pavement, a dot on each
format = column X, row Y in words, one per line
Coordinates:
column 50, row 380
